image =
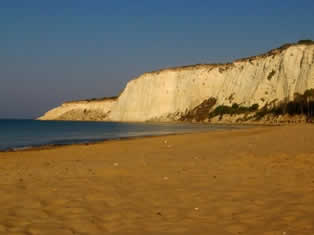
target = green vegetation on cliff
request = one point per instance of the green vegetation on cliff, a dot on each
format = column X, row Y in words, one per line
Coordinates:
column 234, row 109
column 302, row 104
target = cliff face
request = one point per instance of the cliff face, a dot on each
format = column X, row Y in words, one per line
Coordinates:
column 168, row 94
column 81, row 110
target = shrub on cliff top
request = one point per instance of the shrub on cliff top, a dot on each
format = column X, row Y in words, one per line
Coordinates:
column 306, row 42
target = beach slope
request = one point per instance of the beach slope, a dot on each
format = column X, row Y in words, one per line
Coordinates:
column 249, row 181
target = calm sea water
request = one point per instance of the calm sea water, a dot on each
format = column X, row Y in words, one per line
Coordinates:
column 16, row 134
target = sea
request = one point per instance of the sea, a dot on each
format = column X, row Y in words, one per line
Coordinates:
column 25, row 134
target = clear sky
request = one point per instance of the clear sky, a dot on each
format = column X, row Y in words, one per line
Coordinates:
column 60, row 50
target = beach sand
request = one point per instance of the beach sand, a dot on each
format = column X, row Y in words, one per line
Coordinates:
column 250, row 181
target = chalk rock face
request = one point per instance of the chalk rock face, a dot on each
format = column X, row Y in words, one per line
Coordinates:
column 81, row 110
column 168, row 94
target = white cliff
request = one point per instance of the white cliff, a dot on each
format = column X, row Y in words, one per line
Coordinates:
column 167, row 94
column 96, row 110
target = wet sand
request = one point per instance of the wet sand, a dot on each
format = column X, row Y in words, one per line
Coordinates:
column 249, row 181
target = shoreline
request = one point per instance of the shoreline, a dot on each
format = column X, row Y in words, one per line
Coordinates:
column 100, row 141
column 53, row 146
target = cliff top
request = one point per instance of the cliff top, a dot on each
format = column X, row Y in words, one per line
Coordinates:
column 272, row 52
column 113, row 98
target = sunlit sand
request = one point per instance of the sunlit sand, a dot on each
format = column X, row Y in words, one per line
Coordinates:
column 251, row 181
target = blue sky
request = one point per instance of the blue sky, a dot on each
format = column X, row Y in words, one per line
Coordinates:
column 54, row 51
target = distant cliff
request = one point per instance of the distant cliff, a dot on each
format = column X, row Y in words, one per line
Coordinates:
column 171, row 94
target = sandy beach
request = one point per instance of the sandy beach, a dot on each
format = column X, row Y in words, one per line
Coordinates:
column 250, row 181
